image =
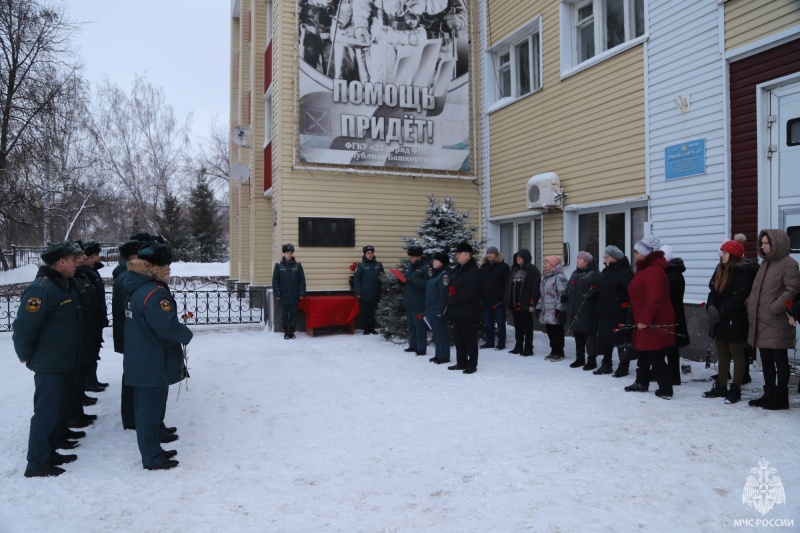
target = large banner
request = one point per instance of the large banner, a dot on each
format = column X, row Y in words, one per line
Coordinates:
column 385, row 83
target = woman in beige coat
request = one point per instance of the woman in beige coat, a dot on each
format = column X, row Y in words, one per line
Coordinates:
column 777, row 282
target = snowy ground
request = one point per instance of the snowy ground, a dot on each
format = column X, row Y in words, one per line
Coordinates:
column 349, row 433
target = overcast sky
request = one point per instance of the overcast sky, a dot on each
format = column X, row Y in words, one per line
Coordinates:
column 181, row 46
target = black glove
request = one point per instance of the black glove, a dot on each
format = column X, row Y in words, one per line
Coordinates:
column 564, row 298
column 713, row 316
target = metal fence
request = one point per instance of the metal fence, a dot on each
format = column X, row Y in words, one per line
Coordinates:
column 20, row 256
column 215, row 306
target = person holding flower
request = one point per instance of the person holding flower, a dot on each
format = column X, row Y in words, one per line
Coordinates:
column 580, row 307
column 464, row 307
column 522, row 293
column 367, row 287
column 551, row 304
column 727, row 316
column 612, row 309
column 777, row 281
column 653, row 315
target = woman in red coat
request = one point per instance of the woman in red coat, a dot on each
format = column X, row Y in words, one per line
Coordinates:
column 653, row 317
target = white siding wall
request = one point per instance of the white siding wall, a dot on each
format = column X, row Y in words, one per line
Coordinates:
column 684, row 56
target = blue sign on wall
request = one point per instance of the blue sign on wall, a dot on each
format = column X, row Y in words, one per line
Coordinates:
column 685, row 159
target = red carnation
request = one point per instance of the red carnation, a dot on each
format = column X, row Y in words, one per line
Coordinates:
column 452, row 290
column 419, row 316
column 574, row 281
column 615, row 330
column 591, row 287
column 353, row 266
column 625, row 305
column 620, row 325
column 788, row 304
column 702, row 304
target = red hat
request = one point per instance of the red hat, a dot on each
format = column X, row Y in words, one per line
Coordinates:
column 734, row 248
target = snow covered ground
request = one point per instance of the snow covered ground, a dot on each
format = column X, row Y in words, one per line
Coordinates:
column 349, row 433
column 178, row 269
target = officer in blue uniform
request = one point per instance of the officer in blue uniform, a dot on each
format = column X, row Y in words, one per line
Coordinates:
column 436, row 294
column 367, row 288
column 93, row 265
column 417, row 275
column 47, row 335
column 153, row 356
column 289, row 286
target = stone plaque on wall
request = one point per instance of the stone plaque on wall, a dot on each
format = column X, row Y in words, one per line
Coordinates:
column 319, row 231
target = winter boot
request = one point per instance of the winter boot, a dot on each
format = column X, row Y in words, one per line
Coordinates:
column 286, row 333
column 291, row 332
column 779, row 400
column 517, row 348
column 759, row 402
column 622, row 370
column 578, row 362
column 591, row 363
column 605, row 368
column 527, row 349
column 718, row 390
column 734, row 394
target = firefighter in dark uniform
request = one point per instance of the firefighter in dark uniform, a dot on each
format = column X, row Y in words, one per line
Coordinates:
column 47, row 335
column 367, row 288
column 417, row 274
column 92, row 250
column 289, row 286
column 153, row 356
column 463, row 307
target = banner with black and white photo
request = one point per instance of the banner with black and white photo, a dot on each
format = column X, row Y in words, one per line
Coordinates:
column 384, row 83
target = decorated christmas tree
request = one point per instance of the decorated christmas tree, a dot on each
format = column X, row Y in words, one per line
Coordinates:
column 443, row 228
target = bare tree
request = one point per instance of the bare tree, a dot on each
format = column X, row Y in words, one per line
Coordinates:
column 144, row 149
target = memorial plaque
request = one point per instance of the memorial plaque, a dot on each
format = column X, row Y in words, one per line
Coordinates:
column 317, row 231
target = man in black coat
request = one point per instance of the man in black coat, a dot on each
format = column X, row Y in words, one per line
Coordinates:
column 417, row 276
column 367, row 288
column 92, row 266
column 464, row 307
column 494, row 275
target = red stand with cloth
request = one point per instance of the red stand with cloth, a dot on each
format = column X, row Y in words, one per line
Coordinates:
column 322, row 311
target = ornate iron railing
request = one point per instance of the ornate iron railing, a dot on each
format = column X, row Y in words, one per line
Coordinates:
column 216, row 305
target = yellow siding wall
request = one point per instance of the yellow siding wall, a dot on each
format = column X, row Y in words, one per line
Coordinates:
column 588, row 128
column 234, row 246
column 750, row 20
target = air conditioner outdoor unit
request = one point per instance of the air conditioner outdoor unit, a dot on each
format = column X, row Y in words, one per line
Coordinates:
column 543, row 190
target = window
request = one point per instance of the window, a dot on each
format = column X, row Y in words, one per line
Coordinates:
column 598, row 26
column 515, row 236
column 267, row 117
column 268, row 10
column 622, row 228
column 518, row 62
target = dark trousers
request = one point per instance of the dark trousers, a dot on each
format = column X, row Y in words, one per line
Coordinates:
column 674, row 364
column 495, row 316
column 417, row 332
column 725, row 352
column 368, row 308
column 657, row 360
column 126, row 405
column 72, row 404
column 47, row 402
column 585, row 344
column 441, row 337
column 149, row 405
column 288, row 315
column 555, row 332
column 775, row 363
column 523, row 330
column 465, row 335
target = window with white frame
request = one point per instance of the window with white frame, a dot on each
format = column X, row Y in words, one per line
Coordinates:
column 592, row 27
column 268, row 117
column 518, row 62
column 268, row 10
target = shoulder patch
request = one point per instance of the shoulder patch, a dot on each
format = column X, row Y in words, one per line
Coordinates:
column 165, row 305
column 33, row 304
column 445, row 280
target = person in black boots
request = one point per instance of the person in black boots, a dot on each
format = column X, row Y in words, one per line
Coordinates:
column 727, row 317
column 494, row 274
column 436, row 294
column 153, row 354
column 47, row 336
column 522, row 295
column 653, row 317
column 612, row 309
column 581, row 303
column 677, row 287
column 119, row 297
column 289, row 287
column 367, row 288
column 464, row 307
column 776, row 283
column 92, row 250
column 417, row 275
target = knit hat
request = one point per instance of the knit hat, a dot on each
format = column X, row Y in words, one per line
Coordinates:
column 129, row 248
column 613, row 251
column 58, row 251
column 464, row 247
column 443, row 257
column 414, row 251
column 586, row 256
column 667, row 249
column 734, row 248
column 156, row 253
column 492, row 250
column 647, row 245
column 289, row 247
column 368, row 248
column 554, row 260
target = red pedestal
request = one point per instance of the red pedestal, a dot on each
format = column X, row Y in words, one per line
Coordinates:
column 322, row 311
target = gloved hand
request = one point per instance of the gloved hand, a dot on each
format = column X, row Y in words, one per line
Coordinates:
column 564, row 298
column 561, row 317
column 713, row 316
